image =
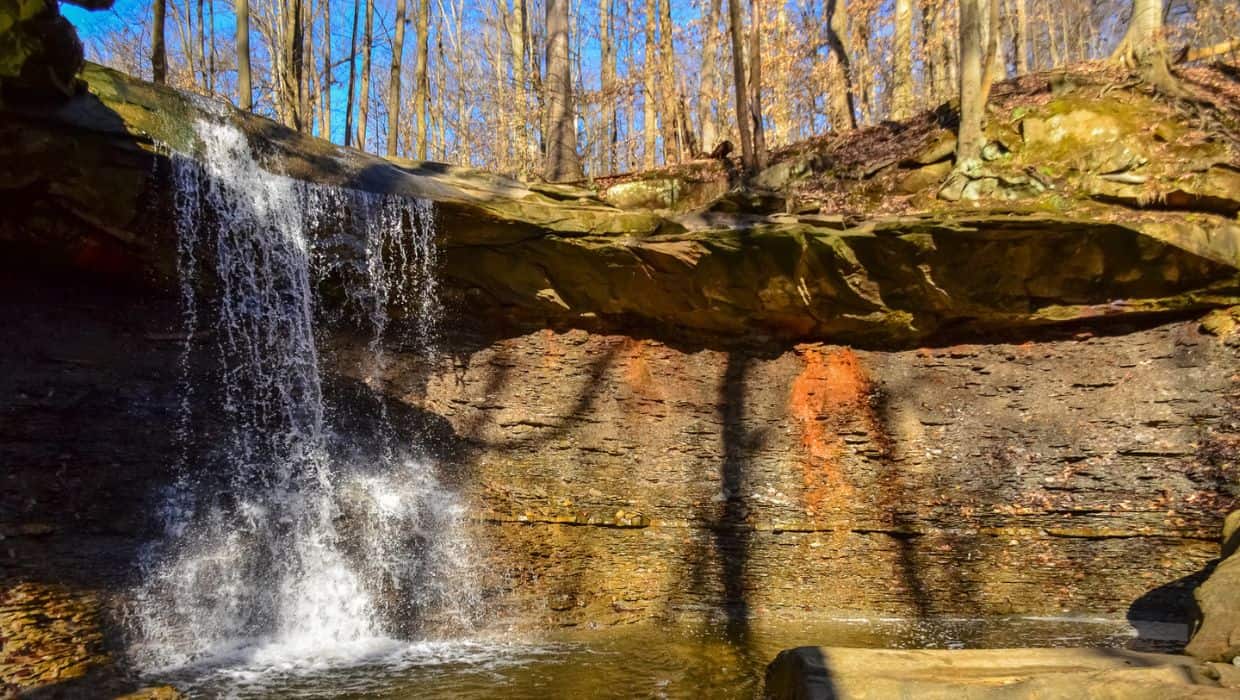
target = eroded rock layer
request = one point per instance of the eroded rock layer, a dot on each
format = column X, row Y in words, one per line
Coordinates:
column 620, row 478
column 86, row 186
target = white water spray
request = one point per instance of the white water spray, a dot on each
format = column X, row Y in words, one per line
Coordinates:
column 277, row 544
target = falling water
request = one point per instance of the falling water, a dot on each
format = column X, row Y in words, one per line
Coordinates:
column 282, row 537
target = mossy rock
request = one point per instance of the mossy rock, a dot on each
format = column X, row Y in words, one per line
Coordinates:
column 40, row 54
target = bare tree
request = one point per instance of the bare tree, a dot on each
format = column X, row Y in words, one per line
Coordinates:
column 735, row 30
column 159, row 54
column 902, row 51
column 607, row 83
column 1143, row 49
column 650, row 99
column 348, row 102
column 993, row 63
column 562, row 162
column 422, row 86
column 707, row 88
column 837, row 28
column 755, row 86
column 393, row 105
column 672, row 138
column 363, row 100
column 1022, row 37
column 328, row 80
column 969, row 138
column 245, row 85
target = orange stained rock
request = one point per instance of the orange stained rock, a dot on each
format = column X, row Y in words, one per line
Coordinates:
column 831, row 392
column 553, row 351
column 636, row 364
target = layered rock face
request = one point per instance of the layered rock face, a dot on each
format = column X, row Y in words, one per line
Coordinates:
column 620, row 478
column 86, row 442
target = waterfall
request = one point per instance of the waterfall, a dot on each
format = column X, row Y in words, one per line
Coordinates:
column 284, row 534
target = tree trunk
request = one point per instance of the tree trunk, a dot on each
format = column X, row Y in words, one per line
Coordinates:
column 755, row 86
column 311, row 90
column 202, row 48
column 735, row 31
column 866, row 84
column 422, row 87
column 951, row 51
column 505, row 139
column 328, row 80
column 993, row 60
column 902, row 89
column 287, row 90
column 1051, row 45
column 363, row 99
column 1022, row 37
column 211, row 44
column 393, row 96
column 929, row 51
column 650, row 100
column 667, row 87
column 710, row 77
column 517, row 24
column 185, row 38
column 348, row 101
column 607, row 82
column 245, row 85
column 1143, row 49
column 159, row 54
column 301, row 93
column 969, row 139
column 837, row 29
column 562, row 163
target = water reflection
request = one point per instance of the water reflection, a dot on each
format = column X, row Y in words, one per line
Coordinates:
column 644, row 661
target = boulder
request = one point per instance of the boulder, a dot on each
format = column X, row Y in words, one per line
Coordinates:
column 1085, row 139
column 657, row 193
column 1216, row 633
column 1231, row 525
column 821, row 673
column 925, row 177
column 39, row 51
column 939, row 147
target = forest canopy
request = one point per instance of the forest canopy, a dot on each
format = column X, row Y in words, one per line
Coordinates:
column 572, row 88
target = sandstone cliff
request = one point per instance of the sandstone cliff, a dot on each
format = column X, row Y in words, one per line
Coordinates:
column 895, row 271
column 674, row 397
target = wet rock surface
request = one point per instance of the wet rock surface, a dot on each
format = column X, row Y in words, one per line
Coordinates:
column 50, row 634
column 87, row 419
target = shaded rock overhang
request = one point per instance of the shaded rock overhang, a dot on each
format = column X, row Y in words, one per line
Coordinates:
column 85, row 182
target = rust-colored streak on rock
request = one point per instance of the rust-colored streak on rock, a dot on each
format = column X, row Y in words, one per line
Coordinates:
column 553, row 352
column 831, row 392
column 107, row 259
column 637, row 374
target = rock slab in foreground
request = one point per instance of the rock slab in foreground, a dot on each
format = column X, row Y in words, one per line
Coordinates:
column 822, row 673
column 1217, row 632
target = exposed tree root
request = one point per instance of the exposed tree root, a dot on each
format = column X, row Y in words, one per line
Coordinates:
column 1151, row 64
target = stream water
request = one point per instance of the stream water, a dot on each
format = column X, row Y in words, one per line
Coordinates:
column 298, row 558
column 640, row 661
